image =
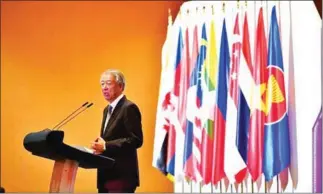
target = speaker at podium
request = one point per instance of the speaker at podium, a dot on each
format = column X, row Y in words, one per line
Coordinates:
column 49, row 144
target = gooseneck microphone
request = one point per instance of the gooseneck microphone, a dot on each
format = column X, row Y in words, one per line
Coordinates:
column 70, row 116
column 88, row 106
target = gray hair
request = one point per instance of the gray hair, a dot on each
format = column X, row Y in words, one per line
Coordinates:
column 118, row 75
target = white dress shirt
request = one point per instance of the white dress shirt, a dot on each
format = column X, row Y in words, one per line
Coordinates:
column 113, row 105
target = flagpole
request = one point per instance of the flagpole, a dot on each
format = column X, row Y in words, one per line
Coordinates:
column 220, row 186
column 277, row 183
column 251, row 186
column 200, row 182
column 246, row 7
column 266, row 186
column 183, row 185
column 223, row 10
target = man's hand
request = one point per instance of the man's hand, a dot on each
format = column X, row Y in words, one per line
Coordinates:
column 98, row 145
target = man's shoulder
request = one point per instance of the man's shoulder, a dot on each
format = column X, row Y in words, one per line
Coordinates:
column 128, row 103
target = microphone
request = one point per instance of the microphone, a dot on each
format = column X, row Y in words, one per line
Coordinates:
column 88, row 106
column 71, row 114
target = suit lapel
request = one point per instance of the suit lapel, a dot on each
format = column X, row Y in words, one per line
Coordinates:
column 114, row 114
column 105, row 112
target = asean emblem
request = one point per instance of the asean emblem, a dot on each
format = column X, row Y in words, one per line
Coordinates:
column 275, row 96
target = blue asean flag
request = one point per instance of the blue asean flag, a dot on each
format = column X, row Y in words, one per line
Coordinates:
column 277, row 143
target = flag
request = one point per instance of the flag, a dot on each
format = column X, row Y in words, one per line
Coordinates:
column 260, row 90
column 283, row 177
column 183, row 78
column 221, row 109
column 256, row 124
column 233, row 161
column 210, row 73
column 171, row 99
column 293, row 168
column 161, row 128
column 245, row 82
column 193, row 136
column 188, row 160
column 276, row 144
column 167, row 109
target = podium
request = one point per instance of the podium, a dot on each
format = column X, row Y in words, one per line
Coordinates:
column 49, row 144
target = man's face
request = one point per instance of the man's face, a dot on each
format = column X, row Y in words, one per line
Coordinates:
column 110, row 87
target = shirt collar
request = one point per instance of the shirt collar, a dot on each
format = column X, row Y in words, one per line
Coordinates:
column 115, row 102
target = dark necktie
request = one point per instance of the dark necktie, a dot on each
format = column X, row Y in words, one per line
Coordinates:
column 108, row 117
column 110, row 110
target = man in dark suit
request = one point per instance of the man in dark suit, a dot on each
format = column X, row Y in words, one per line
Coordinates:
column 121, row 136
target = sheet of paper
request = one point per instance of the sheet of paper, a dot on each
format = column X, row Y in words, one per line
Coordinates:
column 89, row 150
column 84, row 148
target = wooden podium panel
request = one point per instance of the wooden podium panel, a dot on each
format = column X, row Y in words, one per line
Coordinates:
column 49, row 144
column 63, row 176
